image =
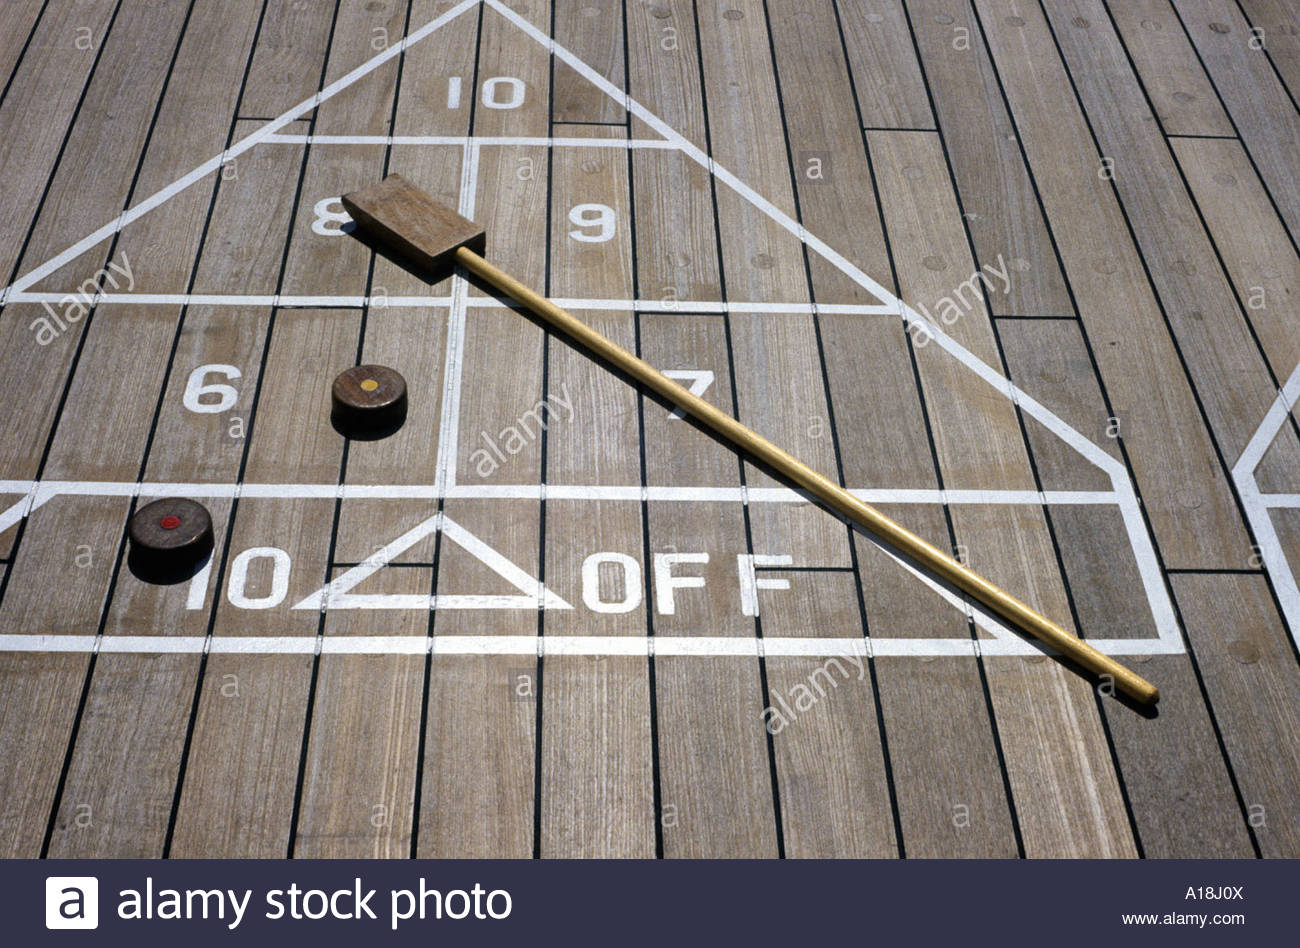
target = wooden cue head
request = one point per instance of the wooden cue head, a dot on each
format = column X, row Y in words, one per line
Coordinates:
column 408, row 223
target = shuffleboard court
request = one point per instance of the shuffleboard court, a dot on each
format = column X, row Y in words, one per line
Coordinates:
column 1023, row 276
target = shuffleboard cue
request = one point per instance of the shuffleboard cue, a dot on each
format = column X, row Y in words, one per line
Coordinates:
column 406, row 221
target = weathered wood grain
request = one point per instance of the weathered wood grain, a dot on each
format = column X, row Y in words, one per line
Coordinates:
column 886, row 78
column 1263, row 113
column 1177, row 783
column 594, row 33
column 1252, row 679
column 1183, row 487
column 40, row 107
column 1214, row 339
column 1181, row 93
column 1058, row 763
column 1001, row 209
column 1278, row 31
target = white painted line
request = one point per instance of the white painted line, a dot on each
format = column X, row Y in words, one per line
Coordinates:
column 1257, row 505
column 1270, row 425
column 454, row 351
column 1280, row 500
column 668, row 307
column 43, row 491
column 532, row 645
column 1243, row 472
column 499, row 140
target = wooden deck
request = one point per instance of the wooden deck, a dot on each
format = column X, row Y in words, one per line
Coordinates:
column 1022, row 273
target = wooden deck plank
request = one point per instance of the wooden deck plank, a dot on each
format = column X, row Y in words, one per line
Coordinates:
column 120, row 104
column 287, row 63
column 1279, row 33
column 410, row 340
column 1058, row 762
column 597, row 791
column 117, row 795
column 508, row 55
column 1262, row 265
column 1184, row 489
column 1181, row 92
column 477, row 788
column 1051, row 360
column 1252, row 678
column 886, row 79
column 362, row 29
column 781, row 395
column 413, row 341
column 835, row 799
column 761, row 261
column 244, row 249
column 594, row 33
column 715, row 781
column 1227, row 370
column 596, row 787
column 71, row 210
column 1005, row 222
column 831, row 171
column 323, row 260
column 944, row 755
column 479, row 770
column 1162, row 757
column 1248, row 233
column 1264, row 115
column 427, row 103
column 976, row 431
column 18, row 22
column 39, row 108
column 593, row 260
column 358, row 791
column 677, row 250
column 137, row 705
column 194, row 123
column 41, row 691
column 88, row 445
column 253, row 707
column 511, row 207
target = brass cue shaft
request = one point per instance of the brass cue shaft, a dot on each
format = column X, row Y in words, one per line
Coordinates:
column 816, row 484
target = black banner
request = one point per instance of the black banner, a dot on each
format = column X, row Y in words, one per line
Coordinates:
column 646, row 903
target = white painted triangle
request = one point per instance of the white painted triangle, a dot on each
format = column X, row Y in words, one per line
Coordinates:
column 337, row 594
column 1143, row 548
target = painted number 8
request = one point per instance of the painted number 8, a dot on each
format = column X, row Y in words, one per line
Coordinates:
column 330, row 223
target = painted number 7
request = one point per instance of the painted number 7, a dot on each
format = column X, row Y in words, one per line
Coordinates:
column 700, row 380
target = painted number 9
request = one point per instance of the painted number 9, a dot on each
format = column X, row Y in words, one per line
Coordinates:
column 599, row 216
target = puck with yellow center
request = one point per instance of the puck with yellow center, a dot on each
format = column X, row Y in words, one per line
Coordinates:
column 169, row 539
column 369, row 401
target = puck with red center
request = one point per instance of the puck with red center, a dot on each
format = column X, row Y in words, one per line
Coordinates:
column 369, row 401
column 169, row 538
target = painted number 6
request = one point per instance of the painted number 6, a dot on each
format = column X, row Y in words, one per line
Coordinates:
column 196, row 388
column 599, row 216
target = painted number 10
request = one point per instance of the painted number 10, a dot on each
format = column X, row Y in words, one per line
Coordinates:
column 499, row 92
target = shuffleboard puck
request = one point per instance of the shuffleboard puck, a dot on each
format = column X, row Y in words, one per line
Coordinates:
column 169, row 539
column 369, row 401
